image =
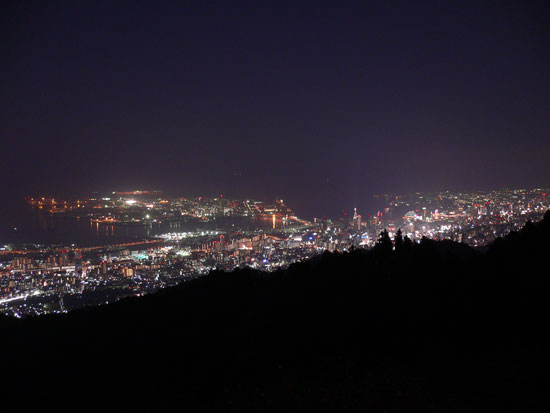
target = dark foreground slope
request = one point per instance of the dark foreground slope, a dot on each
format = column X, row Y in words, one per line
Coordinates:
column 428, row 327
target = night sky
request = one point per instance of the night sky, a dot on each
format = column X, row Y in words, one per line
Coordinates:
column 320, row 103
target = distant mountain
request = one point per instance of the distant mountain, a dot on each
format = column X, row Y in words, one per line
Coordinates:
column 434, row 326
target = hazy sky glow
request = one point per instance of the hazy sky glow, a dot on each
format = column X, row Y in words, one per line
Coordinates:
column 322, row 103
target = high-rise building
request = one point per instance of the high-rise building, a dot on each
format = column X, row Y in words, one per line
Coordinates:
column 356, row 220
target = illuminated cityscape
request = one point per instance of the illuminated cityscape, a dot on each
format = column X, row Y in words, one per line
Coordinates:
column 222, row 233
column 279, row 206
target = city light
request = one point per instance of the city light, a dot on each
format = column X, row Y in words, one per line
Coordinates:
column 172, row 254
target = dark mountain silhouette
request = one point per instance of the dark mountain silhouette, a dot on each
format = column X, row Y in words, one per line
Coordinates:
column 434, row 326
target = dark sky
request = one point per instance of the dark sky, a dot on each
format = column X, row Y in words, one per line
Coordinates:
column 321, row 103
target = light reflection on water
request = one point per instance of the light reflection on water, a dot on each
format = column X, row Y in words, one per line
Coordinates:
column 27, row 225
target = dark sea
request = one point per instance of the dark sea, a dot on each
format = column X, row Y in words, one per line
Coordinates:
column 22, row 224
column 25, row 224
